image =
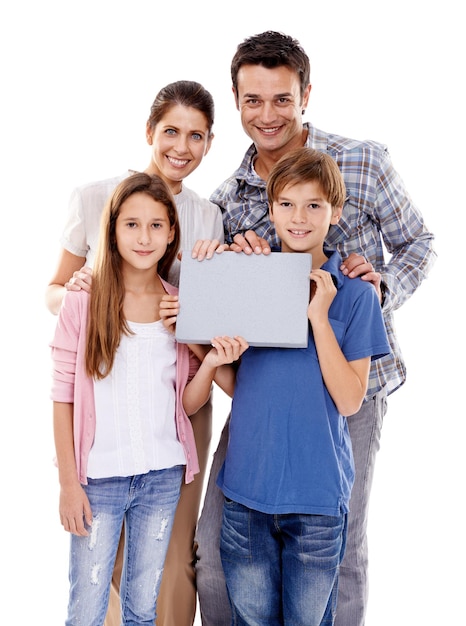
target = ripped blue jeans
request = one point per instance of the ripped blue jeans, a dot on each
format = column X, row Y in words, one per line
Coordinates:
column 146, row 503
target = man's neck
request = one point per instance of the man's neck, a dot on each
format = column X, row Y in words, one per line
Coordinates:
column 266, row 159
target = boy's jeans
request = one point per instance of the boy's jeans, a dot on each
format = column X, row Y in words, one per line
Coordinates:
column 365, row 430
column 147, row 503
column 281, row 569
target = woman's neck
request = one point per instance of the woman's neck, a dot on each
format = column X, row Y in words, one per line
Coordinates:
column 175, row 186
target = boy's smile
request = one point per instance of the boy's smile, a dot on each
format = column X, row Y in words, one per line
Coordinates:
column 302, row 216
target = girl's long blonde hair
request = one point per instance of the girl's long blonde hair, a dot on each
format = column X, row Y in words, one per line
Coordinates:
column 106, row 320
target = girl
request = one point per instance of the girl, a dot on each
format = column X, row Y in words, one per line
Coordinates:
column 179, row 131
column 122, row 393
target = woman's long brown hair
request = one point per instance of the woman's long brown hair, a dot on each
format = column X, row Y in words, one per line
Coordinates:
column 106, row 320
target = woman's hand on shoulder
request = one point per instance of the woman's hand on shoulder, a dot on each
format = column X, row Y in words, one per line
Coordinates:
column 81, row 279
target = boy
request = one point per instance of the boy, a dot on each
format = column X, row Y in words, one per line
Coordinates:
column 288, row 471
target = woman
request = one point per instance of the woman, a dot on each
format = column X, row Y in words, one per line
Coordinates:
column 179, row 131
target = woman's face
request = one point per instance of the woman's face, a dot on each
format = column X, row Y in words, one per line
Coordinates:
column 179, row 142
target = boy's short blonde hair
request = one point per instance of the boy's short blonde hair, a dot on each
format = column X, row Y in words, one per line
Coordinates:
column 304, row 165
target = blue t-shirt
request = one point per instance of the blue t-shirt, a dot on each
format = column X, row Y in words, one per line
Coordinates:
column 289, row 449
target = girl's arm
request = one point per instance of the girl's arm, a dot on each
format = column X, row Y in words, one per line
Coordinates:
column 216, row 366
column 346, row 381
column 74, row 505
column 72, row 275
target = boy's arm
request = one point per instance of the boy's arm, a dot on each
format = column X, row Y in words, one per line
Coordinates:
column 346, row 381
column 74, row 505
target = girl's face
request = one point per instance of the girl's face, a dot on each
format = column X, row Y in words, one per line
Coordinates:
column 179, row 142
column 142, row 232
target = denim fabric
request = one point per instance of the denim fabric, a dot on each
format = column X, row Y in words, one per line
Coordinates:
column 210, row 581
column 281, row 569
column 365, row 431
column 147, row 504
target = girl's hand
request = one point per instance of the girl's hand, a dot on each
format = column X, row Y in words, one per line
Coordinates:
column 75, row 510
column 206, row 248
column 323, row 291
column 225, row 350
column 82, row 279
column 168, row 311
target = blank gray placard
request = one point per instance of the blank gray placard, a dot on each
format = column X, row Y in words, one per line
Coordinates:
column 262, row 298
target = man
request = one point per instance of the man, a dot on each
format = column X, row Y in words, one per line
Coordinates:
column 271, row 86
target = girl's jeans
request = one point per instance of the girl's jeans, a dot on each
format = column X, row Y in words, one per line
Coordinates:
column 281, row 569
column 147, row 504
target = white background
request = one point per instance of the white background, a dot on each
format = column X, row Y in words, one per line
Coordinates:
column 77, row 82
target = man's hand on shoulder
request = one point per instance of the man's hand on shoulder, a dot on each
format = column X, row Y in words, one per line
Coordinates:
column 356, row 265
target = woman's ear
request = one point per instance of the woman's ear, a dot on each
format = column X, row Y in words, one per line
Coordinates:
column 209, row 143
column 148, row 134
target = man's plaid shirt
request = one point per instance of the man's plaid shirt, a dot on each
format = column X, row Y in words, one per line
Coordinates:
column 378, row 213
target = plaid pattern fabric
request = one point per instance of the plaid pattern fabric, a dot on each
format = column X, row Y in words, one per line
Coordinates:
column 378, row 218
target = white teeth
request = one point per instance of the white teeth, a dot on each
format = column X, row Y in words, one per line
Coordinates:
column 178, row 161
column 269, row 130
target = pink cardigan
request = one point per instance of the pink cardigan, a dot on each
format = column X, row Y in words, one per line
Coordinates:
column 72, row 385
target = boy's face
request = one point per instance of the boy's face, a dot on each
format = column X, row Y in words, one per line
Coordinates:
column 270, row 104
column 302, row 216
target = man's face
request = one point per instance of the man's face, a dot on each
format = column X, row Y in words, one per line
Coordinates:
column 270, row 104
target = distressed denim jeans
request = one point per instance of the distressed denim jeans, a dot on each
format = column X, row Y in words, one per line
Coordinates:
column 281, row 569
column 147, row 504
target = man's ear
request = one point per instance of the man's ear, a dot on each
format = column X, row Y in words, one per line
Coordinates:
column 235, row 94
column 305, row 102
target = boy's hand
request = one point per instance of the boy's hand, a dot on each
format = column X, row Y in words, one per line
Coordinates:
column 205, row 248
column 249, row 243
column 323, row 291
column 168, row 311
column 225, row 350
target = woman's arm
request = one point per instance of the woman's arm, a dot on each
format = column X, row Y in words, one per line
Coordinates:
column 71, row 274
